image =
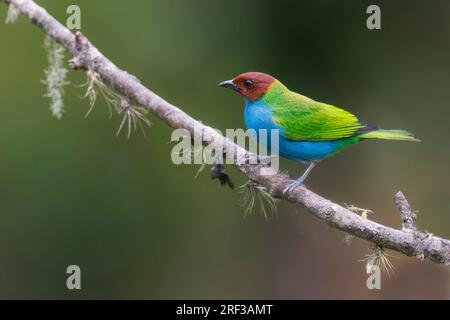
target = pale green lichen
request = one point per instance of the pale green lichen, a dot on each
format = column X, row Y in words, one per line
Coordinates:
column 363, row 212
column 256, row 194
column 95, row 86
column 55, row 76
column 133, row 116
column 348, row 238
column 197, row 152
column 378, row 257
column 12, row 15
column 200, row 170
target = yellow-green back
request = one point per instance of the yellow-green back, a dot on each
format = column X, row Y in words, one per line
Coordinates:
column 302, row 118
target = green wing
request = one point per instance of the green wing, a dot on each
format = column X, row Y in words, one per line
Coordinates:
column 302, row 118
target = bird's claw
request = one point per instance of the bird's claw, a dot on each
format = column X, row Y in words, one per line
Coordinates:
column 291, row 187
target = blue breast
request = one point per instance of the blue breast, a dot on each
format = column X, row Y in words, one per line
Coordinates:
column 258, row 115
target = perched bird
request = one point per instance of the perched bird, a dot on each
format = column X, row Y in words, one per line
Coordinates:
column 310, row 131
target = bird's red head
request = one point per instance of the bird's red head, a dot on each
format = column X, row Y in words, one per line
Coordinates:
column 251, row 85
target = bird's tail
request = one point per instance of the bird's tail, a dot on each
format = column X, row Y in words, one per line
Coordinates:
column 401, row 135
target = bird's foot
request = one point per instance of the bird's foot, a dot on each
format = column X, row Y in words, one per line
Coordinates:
column 291, row 187
column 301, row 179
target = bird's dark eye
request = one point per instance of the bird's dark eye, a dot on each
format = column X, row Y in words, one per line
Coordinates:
column 248, row 84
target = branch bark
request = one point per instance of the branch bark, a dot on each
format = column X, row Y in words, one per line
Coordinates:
column 408, row 241
column 406, row 213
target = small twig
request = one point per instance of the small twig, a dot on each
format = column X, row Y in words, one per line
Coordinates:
column 407, row 215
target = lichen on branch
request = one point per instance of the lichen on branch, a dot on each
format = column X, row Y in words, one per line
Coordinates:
column 13, row 14
column 55, row 76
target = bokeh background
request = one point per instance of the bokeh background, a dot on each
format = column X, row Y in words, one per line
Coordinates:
column 71, row 192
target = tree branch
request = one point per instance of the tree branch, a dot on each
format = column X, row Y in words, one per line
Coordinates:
column 408, row 241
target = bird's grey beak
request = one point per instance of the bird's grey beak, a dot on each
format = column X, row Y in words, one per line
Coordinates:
column 229, row 84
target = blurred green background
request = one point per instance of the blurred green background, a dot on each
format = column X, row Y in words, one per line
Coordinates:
column 71, row 192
